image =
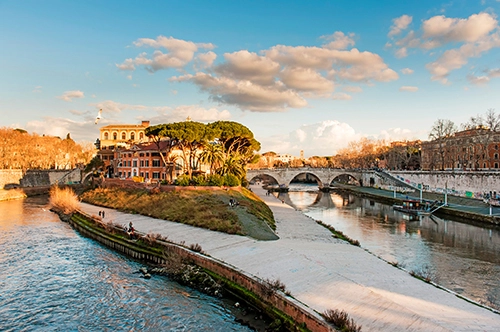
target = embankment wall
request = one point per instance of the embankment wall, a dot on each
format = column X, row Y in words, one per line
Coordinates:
column 296, row 310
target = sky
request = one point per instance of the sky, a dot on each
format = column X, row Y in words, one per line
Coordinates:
column 301, row 75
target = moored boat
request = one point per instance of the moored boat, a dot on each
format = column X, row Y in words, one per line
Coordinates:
column 413, row 207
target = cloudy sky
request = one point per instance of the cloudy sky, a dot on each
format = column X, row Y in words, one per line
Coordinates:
column 302, row 75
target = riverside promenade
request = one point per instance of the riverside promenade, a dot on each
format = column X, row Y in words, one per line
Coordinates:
column 327, row 273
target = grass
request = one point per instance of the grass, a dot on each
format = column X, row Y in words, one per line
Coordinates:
column 341, row 320
column 338, row 234
column 201, row 208
column 64, row 199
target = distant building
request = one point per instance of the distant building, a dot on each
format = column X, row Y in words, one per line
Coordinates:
column 119, row 136
column 471, row 149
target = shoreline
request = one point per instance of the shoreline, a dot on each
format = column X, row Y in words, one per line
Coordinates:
column 375, row 294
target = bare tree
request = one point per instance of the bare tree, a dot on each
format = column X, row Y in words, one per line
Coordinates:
column 441, row 130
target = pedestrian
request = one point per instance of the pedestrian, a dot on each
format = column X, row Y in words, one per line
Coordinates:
column 102, row 214
column 99, row 213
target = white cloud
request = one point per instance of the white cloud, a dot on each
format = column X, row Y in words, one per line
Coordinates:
column 129, row 77
column 408, row 88
column 37, row 89
column 478, row 80
column 407, row 71
column 469, row 37
column 109, row 106
column 80, row 131
column 179, row 53
column 341, row 96
column 353, row 89
column 246, row 94
column 339, row 41
column 400, row 24
column 70, row 95
column 397, row 134
column 305, row 79
column 207, row 58
column 244, row 65
column 194, row 112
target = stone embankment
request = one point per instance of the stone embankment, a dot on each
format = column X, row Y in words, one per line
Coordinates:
column 250, row 288
column 327, row 273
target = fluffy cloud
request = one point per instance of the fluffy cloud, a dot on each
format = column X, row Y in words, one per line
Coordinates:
column 339, row 41
column 484, row 79
column 109, row 106
column 244, row 65
column 354, row 89
column 305, row 79
column 271, row 80
column 37, row 89
column 408, row 88
column 207, row 58
column 407, row 71
column 342, row 96
column 80, row 131
column 474, row 35
column 399, row 24
column 70, row 95
column 179, row 53
column 246, row 94
column 194, row 112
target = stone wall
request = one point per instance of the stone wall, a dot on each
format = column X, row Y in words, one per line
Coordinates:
column 298, row 311
column 37, row 178
column 10, row 177
column 460, row 183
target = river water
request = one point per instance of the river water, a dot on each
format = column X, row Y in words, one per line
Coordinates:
column 461, row 257
column 53, row 279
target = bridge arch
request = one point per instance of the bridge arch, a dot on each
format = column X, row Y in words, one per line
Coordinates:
column 325, row 176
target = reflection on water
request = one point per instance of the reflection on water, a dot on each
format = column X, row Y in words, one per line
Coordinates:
column 54, row 279
column 461, row 257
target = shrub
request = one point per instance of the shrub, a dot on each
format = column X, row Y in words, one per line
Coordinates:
column 231, row 180
column 215, row 180
column 64, row 199
column 341, row 320
column 182, row 180
column 200, row 180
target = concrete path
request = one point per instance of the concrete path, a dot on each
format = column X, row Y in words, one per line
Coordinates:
column 327, row 273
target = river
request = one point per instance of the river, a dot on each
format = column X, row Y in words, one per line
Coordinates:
column 53, row 279
column 461, row 257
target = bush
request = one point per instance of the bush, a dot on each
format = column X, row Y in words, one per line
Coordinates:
column 231, row 180
column 182, row 180
column 341, row 320
column 215, row 180
column 64, row 199
column 200, row 180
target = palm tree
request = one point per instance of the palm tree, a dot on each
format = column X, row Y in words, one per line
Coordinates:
column 213, row 155
column 233, row 165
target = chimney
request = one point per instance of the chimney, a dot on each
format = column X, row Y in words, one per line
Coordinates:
column 145, row 123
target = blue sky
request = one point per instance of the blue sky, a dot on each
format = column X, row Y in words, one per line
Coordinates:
column 302, row 75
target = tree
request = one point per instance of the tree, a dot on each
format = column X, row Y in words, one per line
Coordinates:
column 212, row 154
column 441, row 130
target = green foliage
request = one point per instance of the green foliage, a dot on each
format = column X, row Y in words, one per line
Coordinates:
column 200, row 180
column 182, row 180
column 215, row 180
column 231, row 180
column 95, row 163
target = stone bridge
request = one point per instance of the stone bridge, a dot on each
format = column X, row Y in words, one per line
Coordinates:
column 324, row 176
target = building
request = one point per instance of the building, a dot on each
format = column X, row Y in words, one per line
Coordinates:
column 470, row 149
column 118, row 136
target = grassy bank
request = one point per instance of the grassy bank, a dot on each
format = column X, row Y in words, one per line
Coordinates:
column 201, row 208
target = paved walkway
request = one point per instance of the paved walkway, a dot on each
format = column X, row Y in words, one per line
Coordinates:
column 327, row 273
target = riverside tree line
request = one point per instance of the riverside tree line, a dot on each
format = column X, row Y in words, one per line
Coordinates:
column 21, row 150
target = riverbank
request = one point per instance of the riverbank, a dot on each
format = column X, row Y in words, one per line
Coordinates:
column 328, row 273
column 467, row 209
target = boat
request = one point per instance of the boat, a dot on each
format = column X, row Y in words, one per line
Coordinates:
column 414, row 207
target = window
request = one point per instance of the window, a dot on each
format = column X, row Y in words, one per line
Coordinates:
column 495, row 156
column 115, row 136
column 141, row 135
column 135, row 163
column 124, row 135
column 141, row 154
column 147, row 163
column 132, row 136
column 146, row 175
column 141, row 174
column 156, row 162
column 106, row 135
column 156, row 175
column 496, row 146
column 128, row 174
column 496, row 165
column 142, row 164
